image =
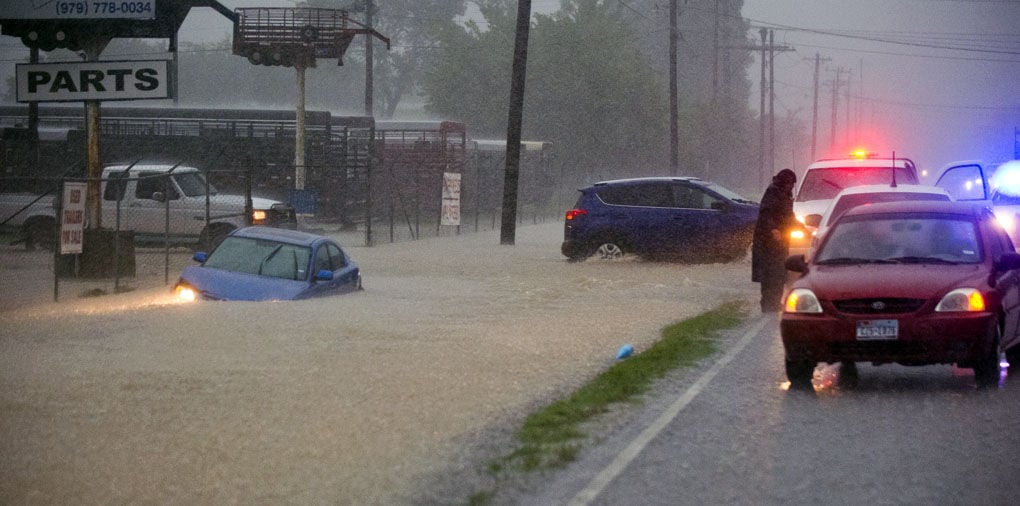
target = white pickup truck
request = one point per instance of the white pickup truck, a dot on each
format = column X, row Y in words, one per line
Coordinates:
column 144, row 193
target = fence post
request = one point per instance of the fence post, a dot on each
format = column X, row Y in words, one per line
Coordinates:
column 116, row 240
column 56, row 242
column 248, row 206
column 166, row 228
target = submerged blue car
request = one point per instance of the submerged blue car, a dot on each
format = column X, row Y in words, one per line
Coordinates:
column 264, row 263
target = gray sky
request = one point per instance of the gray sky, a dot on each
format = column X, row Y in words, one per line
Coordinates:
column 931, row 104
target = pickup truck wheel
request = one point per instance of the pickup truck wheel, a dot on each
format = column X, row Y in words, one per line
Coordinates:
column 40, row 232
column 212, row 236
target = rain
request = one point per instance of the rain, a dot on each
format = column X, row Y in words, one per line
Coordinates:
column 404, row 392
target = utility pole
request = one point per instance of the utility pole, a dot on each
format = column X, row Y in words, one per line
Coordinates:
column 369, row 77
column 761, row 112
column 814, row 112
column 772, row 102
column 674, row 107
column 846, row 131
column 515, row 118
column 715, row 55
column 768, row 50
column 765, row 49
column 299, row 129
column 836, row 83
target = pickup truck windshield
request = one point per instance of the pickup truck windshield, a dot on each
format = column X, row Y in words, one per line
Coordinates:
column 824, row 184
column 193, row 184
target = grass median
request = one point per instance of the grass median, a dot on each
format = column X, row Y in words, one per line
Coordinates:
column 551, row 437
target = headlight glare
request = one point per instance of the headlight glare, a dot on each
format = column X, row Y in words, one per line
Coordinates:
column 802, row 300
column 961, row 300
column 185, row 292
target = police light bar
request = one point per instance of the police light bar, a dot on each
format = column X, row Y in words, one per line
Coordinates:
column 861, row 153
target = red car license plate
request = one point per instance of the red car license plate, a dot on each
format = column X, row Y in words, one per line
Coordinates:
column 877, row 329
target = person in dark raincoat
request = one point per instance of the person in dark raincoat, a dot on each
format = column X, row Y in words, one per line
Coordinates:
column 771, row 243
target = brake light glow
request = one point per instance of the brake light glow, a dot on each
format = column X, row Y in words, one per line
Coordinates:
column 859, row 153
column 257, row 217
column 574, row 213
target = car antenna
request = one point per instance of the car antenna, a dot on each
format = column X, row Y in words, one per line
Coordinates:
column 893, row 185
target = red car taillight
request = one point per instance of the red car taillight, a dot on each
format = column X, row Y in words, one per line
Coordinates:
column 574, row 213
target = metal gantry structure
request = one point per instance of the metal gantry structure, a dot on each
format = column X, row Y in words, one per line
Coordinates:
column 296, row 37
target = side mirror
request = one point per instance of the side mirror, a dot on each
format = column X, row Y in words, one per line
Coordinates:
column 159, row 196
column 813, row 220
column 1008, row 262
column 719, row 206
column 796, row 263
column 200, row 256
column 324, row 275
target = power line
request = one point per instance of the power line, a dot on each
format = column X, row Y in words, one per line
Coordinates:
column 913, row 55
column 881, row 40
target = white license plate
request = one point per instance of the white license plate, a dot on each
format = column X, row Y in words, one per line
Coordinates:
column 878, row 329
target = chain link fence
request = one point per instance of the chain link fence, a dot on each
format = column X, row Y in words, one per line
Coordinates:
column 366, row 183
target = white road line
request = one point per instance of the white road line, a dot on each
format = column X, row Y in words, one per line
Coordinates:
column 632, row 450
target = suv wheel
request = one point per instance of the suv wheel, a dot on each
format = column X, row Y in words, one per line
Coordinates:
column 608, row 250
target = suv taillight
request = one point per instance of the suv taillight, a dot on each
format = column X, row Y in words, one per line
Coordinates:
column 574, row 213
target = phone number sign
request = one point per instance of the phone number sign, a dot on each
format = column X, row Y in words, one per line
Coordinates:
column 79, row 9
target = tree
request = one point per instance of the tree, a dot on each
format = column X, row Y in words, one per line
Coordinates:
column 589, row 89
column 718, row 131
column 411, row 26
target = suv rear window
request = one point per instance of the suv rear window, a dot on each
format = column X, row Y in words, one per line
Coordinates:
column 823, row 184
column 645, row 195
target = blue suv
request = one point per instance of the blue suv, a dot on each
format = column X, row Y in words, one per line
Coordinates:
column 674, row 218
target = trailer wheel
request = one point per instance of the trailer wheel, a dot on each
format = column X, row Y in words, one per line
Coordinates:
column 309, row 34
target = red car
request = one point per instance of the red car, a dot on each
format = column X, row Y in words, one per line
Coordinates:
column 914, row 283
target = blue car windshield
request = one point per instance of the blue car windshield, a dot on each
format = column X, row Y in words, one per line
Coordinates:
column 907, row 239
column 261, row 257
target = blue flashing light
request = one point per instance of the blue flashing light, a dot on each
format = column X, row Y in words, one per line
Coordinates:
column 1007, row 178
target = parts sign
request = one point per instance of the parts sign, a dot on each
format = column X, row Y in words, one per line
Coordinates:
column 78, row 81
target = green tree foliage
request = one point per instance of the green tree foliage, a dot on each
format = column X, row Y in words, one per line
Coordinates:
column 588, row 90
column 718, row 131
column 411, row 26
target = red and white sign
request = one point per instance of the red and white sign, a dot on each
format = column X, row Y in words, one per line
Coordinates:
column 451, row 199
column 72, row 218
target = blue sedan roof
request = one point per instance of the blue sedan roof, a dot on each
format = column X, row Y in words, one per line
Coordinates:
column 278, row 234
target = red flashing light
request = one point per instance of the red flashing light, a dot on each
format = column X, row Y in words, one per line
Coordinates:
column 574, row 213
column 860, row 153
